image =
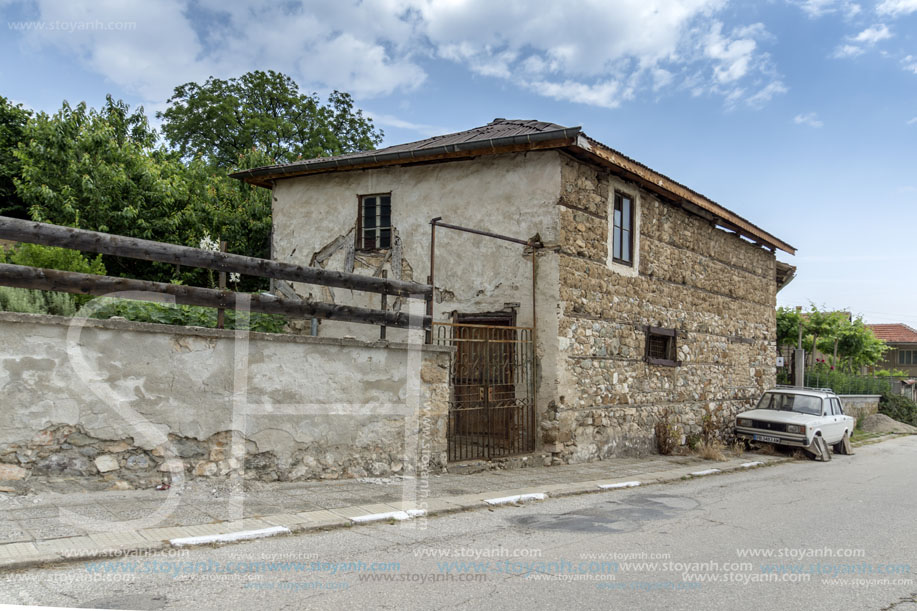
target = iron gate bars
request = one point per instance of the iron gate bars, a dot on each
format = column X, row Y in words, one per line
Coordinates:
column 492, row 396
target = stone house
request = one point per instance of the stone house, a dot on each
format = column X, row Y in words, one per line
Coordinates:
column 627, row 294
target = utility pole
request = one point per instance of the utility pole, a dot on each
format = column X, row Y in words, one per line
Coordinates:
column 799, row 357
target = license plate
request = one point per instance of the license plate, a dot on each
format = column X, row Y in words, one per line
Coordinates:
column 767, row 438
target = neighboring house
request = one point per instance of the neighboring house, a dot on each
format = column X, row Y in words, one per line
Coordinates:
column 902, row 340
column 648, row 296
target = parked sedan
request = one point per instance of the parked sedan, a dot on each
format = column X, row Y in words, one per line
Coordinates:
column 809, row 418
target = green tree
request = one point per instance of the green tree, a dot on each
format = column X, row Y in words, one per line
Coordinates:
column 820, row 324
column 13, row 120
column 101, row 170
column 788, row 321
column 223, row 119
column 858, row 346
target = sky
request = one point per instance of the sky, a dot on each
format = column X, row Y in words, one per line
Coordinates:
column 799, row 115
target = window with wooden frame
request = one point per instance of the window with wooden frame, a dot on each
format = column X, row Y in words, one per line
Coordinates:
column 661, row 346
column 623, row 229
column 374, row 223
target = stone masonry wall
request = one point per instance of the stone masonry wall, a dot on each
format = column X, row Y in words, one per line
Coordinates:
column 716, row 289
column 137, row 404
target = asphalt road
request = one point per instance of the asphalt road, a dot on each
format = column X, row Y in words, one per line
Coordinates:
column 805, row 535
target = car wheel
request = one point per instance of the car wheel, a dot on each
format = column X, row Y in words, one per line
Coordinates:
column 843, row 446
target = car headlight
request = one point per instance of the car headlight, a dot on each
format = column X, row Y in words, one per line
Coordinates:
column 795, row 428
column 743, row 422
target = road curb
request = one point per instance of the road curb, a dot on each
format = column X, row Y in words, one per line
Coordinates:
column 134, row 544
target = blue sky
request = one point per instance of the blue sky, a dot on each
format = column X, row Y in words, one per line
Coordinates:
column 800, row 115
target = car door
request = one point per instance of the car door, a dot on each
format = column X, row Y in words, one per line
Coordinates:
column 834, row 421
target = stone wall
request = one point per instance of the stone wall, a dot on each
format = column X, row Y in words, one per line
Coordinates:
column 137, row 403
column 860, row 406
column 715, row 289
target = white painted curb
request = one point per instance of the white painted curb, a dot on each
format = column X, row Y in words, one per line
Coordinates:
column 706, row 472
column 620, row 485
column 229, row 537
column 518, row 498
column 749, row 465
column 390, row 515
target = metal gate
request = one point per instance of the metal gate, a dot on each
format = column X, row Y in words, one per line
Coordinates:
column 492, row 398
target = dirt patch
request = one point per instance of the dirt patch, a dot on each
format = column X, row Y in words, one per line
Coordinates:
column 880, row 423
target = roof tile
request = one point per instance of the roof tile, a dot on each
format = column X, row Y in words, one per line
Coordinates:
column 897, row 333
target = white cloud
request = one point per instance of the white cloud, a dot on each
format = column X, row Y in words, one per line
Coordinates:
column 912, row 121
column 817, row 8
column 909, row 63
column 810, row 118
column 897, row 7
column 843, row 51
column 597, row 53
column 385, row 120
column 864, row 40
column 873, row 34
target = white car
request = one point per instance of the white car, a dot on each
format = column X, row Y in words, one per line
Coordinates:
column 809, row 418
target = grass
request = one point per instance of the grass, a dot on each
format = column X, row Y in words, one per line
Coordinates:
column 861, row 435
column 710, row 451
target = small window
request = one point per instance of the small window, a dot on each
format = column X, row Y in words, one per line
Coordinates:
column 375, row 222
column 623, row 237
column 661, row 346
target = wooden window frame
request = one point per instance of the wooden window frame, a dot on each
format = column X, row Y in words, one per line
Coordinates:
column 359, row 243
column 618, row 204
column 672, row 345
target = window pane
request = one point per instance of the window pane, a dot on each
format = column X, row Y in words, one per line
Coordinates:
column 901, row 357
column 369, row 239
column 625, row 209
column 617, row 243
column 617, row 218
column 385, row 238
column 625, row 245
column 369, row 212
column 908, row 354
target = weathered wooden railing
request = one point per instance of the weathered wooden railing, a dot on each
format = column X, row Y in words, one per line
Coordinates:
column 148, row 250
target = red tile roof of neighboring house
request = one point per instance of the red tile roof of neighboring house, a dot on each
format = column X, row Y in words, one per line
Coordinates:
column 897, row 333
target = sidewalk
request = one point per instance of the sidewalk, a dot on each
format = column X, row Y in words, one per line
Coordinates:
column 52, row 526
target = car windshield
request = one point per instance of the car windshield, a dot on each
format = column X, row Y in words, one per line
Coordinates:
column 786, row 402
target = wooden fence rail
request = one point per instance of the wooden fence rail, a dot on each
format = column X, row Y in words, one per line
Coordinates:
column 21, row 276
column 147, row 250
column 135, row 248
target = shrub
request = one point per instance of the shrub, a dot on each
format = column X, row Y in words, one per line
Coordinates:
column 711, row 451
column 48, row 257
column 667, row 433
column 712, row 425
column 898, row 408
column 36, row 302
column 191, row 316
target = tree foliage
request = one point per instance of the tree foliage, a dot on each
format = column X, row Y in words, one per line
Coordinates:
column 101, row 170
column 856, row 344
column 13, row 121
column 222, row 120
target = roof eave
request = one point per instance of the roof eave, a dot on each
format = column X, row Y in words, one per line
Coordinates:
column 263, row 177
column 680, row 194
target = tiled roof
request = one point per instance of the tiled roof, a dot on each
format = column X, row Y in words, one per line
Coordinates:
column 515, row 135
column 498, row 128
column 897, row 333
